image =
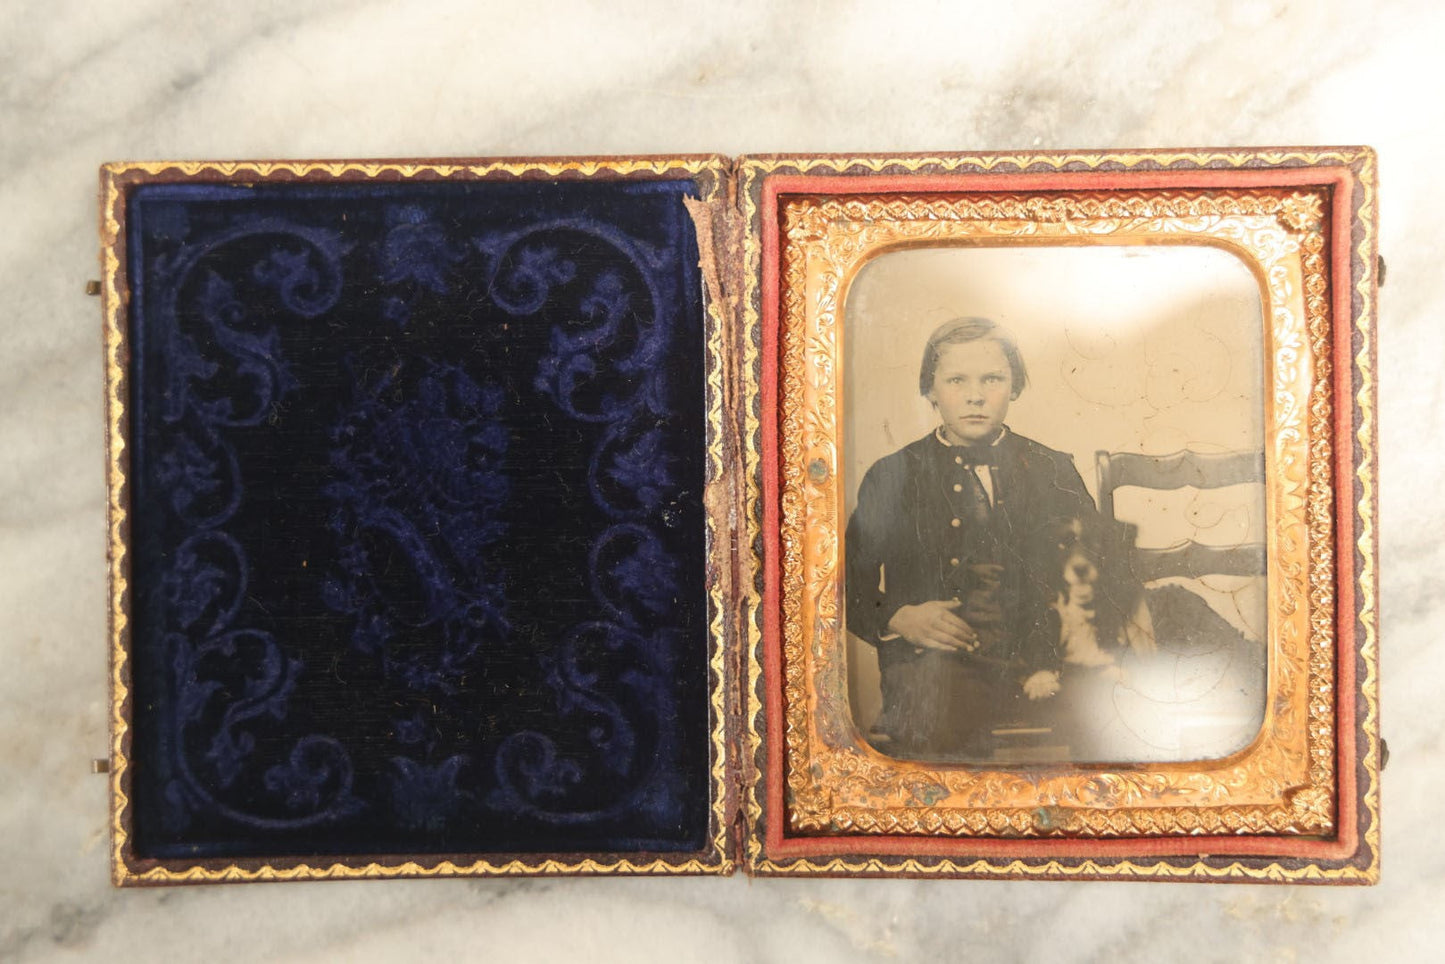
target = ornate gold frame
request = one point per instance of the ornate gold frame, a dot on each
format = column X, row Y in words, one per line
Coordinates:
column 1269, row 786
column 822, row 794
column 129, row 869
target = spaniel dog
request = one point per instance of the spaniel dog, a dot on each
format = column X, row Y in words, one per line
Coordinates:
column 1097, row 600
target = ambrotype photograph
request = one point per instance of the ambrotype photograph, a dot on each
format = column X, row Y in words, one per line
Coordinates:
column 1052, row 465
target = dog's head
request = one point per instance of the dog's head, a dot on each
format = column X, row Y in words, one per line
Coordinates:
column 1077, row 560
column 1085, row 563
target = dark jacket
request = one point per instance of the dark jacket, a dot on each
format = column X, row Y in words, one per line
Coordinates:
column 913, row 539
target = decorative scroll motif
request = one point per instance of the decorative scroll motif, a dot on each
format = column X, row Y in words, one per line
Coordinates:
column 422, row 478
column 709, row 174
column 1283, row 783
column 415, row 255
column 209, row 339
column 612, row 344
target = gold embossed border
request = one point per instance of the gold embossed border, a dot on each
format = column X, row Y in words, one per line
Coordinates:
column 713, row 178
column 835, row 782
column 1345, row 255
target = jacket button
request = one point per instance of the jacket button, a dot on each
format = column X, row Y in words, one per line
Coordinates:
column 953, row 562
column 957, row 487
column 955, row 523
column 958, row 460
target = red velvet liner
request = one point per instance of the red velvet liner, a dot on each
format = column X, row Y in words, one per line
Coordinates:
column 778, row 845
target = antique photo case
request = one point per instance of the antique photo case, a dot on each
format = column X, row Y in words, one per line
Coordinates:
column 963, row 515
column 1066, row 478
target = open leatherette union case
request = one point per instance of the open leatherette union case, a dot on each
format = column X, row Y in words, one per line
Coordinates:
column 962, row 515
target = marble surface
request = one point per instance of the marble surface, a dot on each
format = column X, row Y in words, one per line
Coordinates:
column 83, row 83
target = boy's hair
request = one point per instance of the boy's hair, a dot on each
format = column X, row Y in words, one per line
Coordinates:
column 961, row 330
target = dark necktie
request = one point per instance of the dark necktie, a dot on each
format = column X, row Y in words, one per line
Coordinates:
column 972, row 458
column 973, row 455
column 975, row 494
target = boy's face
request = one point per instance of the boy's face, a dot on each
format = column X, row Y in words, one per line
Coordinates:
column 972, row 387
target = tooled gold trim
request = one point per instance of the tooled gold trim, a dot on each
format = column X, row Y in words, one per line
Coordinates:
column 836, row 782
column 127, row 870
column 753, row 726
column 1365, row 289
column 717, row 343
column 1307, row 808
column 365, row 170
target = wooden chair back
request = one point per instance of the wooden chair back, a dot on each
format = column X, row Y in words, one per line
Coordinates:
column 1199, row 470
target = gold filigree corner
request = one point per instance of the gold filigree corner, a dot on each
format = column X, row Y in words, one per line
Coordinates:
column 1312, row 809
column 1301, row 212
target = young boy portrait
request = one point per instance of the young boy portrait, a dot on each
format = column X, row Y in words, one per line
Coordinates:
column 946, row 555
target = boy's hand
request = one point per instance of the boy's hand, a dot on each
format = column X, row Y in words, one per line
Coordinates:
column 935, row 625
column 1041, row 685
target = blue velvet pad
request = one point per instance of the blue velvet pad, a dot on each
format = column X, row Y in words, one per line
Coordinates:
column 417, row 545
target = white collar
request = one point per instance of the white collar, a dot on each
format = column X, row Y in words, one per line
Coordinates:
column 943, row 439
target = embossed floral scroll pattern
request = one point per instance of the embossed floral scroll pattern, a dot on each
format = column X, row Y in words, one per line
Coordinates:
column 605, row 367
column 228, row 676
column 1284, row 782
column 415, row 263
